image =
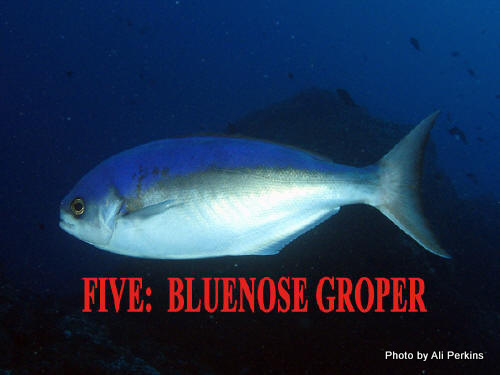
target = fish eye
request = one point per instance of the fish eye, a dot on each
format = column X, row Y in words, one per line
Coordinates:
column 77, row 206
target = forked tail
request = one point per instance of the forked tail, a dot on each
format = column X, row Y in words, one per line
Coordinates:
column 398, row 187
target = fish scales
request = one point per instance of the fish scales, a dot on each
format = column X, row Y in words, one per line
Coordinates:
column 202, row 197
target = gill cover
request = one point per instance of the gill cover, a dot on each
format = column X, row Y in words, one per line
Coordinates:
column 107, row 215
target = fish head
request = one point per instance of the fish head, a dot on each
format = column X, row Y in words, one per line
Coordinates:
column 90, row 210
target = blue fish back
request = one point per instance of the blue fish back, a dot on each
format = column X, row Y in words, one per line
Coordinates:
column 147, row 163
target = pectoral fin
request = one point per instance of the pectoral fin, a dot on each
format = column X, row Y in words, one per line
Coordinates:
column 149, row 212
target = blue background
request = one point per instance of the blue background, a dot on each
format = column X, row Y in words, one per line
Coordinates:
column 143, row 70
column 83, row 80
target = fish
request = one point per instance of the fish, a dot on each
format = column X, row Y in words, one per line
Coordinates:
column 471, row 72
column 201, row 197
column 415, row 43
column 458, row 134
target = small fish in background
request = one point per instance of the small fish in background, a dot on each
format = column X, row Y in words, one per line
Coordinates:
column 471, row 72
column 346, row 97
column 200, row 197
column 69, row 73
column 472, row 177
column 480, row 139
column 142, row 30
column 458, row 134
column 415, row 43
column 492, row 115
column 290, row 75
column 497, row 96
column 41, row 226
column 455, row 53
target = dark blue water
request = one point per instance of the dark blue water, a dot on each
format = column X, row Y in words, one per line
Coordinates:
column 83, row 80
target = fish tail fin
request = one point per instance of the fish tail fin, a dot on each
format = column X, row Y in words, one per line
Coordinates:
column 397, row 194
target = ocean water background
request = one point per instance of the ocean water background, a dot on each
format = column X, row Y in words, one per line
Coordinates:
column 143, row 70
column 82, row 80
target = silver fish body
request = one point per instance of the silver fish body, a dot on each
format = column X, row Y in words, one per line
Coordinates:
column 233, row 212
column 208, row 197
